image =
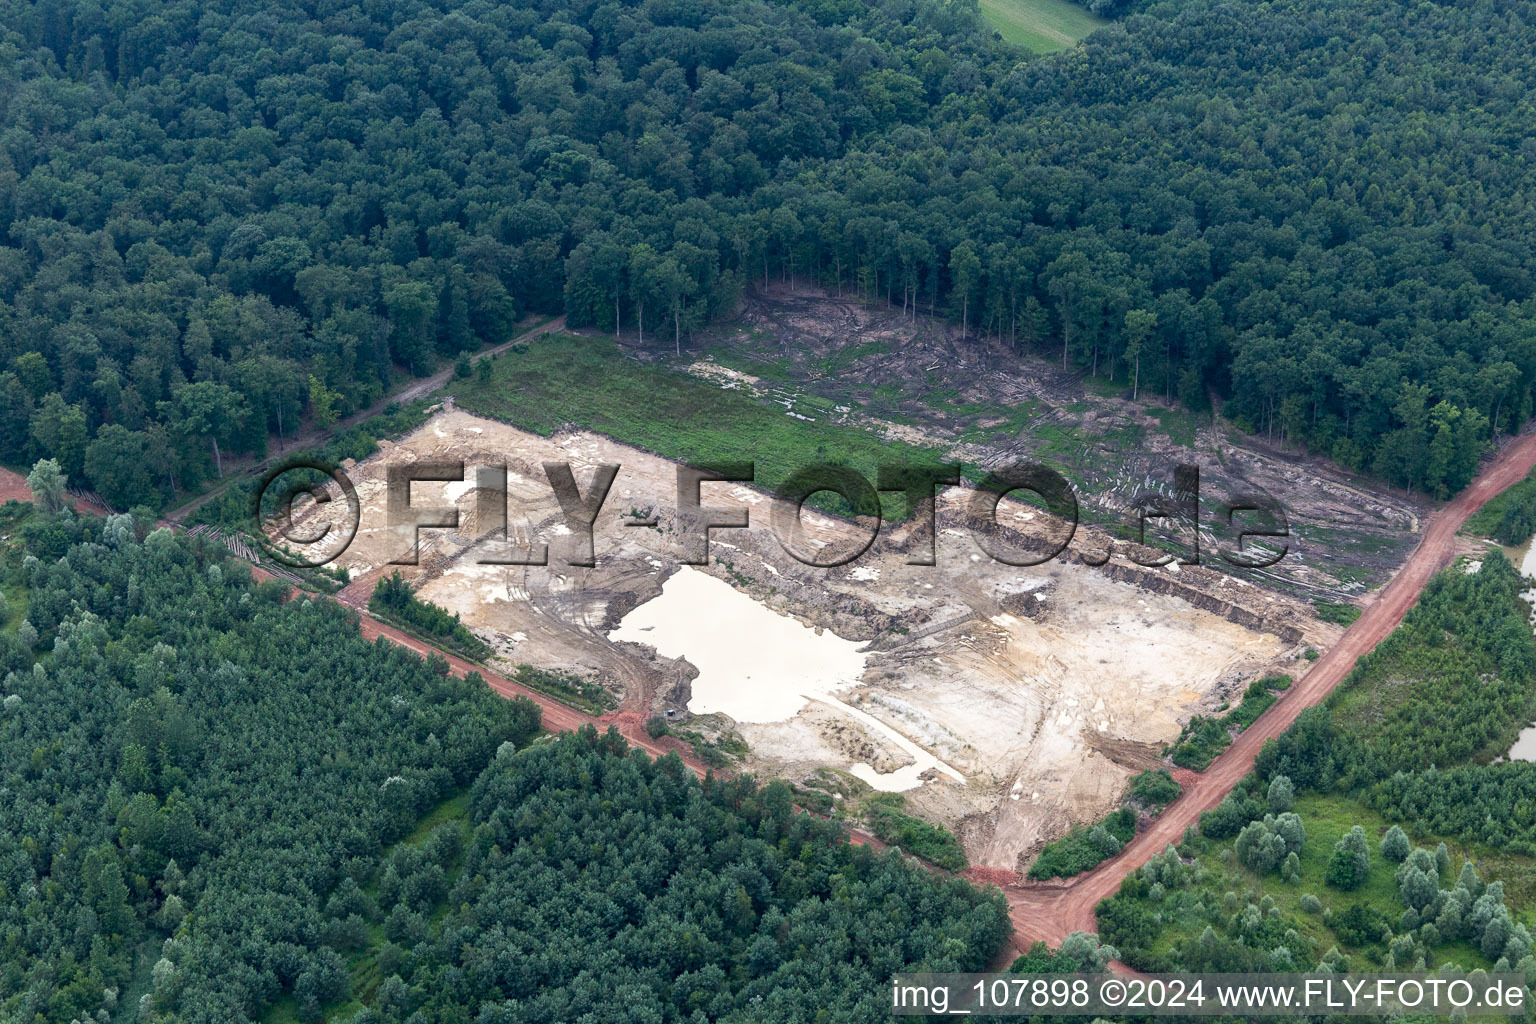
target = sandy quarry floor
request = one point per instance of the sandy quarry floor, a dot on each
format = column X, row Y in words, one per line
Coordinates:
column 1044, row 688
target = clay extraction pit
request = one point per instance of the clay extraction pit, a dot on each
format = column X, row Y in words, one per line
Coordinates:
column 1006, row 703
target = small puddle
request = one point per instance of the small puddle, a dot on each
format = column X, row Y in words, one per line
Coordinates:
column 1523, row 558
column 756, row 665
column 1525, row 746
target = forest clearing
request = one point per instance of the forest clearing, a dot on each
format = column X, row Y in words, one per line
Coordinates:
column 820, row 491
column 1044, row 688
column 999, row 675
column 973, row 671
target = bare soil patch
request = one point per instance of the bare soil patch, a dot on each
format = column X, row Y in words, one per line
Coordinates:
column 1045, row 686
column 991, row 405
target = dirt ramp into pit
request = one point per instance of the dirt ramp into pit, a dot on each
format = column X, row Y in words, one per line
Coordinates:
column 1036, row 684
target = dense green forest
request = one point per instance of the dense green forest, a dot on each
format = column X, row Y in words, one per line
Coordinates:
column 599, row 885
column 221, row 222
column 194, row 758
column 218, row 218
column 203, row 780
column 1310, row 859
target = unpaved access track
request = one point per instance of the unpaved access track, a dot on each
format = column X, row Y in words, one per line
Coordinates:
column 1044, row 688
column 555, row 716
column 1048, row 912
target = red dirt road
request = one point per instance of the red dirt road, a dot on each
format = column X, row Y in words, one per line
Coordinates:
column 1049, row 911
column 14, row 486
column 556, row 717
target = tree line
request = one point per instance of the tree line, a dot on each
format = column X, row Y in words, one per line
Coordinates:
column 598, row 884
column 393, row 599
column 219, row 220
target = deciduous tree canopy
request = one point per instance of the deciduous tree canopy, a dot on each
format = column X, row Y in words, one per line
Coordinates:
column 1292, row 204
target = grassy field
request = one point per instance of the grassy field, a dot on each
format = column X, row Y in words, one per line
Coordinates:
column 1181, row 425
column 586, row 382
column 1040, row 25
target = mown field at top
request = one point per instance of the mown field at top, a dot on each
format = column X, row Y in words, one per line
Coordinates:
column 1040, row 25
